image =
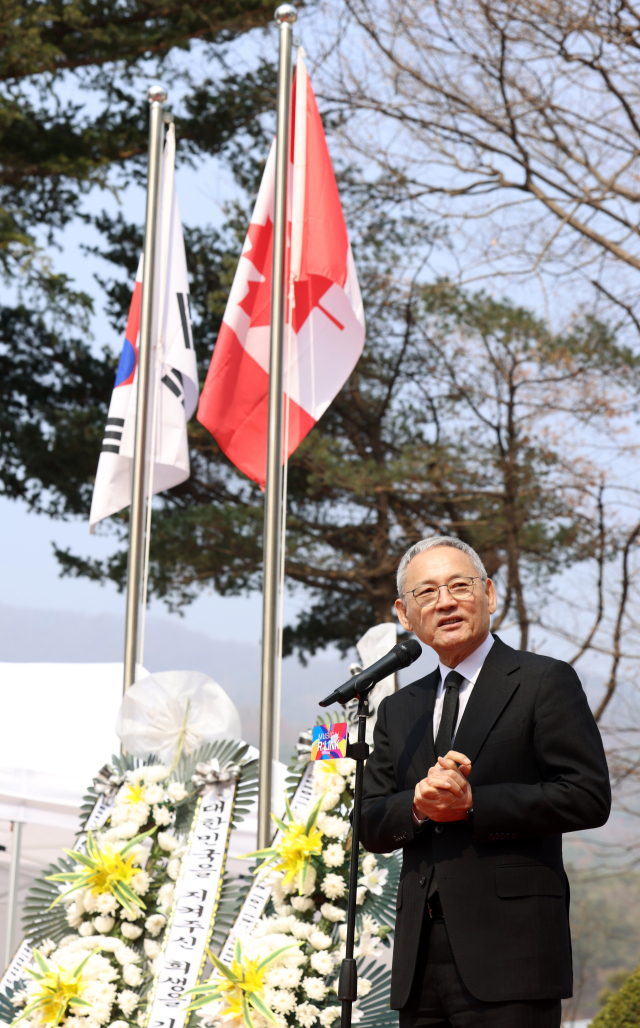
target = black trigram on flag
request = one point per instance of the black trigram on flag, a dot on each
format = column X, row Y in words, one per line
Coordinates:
column 113, row 435
column 185, row 318
column 173, row 381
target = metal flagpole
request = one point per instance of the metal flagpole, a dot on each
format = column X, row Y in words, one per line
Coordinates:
column 14, row 886
column 285, row 17
column 157, row 97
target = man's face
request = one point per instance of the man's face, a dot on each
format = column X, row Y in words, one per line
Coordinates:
column 453, row 627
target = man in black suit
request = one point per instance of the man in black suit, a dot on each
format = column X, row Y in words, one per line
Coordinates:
column 476, row 772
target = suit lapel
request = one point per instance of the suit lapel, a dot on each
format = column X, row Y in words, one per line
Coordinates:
column 419, row 752
column 495, row 685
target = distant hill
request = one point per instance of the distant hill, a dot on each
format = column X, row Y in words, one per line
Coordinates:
column 67, row 636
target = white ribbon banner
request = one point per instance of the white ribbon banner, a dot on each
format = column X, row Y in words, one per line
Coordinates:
column 183, row 955
column 24, row 953
column 258, row 896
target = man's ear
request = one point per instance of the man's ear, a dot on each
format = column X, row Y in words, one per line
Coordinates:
column 401, row 611
column 491, row 596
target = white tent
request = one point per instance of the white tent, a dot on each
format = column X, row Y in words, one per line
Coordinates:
column 57, row 730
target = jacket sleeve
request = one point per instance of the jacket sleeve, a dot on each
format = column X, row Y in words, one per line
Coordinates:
column 386, row 813
column 574, row 791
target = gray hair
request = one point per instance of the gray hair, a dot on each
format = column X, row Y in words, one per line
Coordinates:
column 429, row 544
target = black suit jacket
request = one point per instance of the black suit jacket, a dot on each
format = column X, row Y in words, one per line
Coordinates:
column 539, row 769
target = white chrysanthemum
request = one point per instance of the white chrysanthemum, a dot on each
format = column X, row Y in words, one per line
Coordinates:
column 90, row 901
column 106, row 903
column 329, row 1015
column 153, row 794
column 135, row 914
column 122, row 831
column 319, row 940
column 141, row 1018
column 104, row 942
column 151, row 948
column 368, row 863
column 86, row 928
column 333, row 886
column 278, row 893
column 167, row 842
column 332, row 913
column 325, row 778
column 46, row 947
column 283, row 910
column 114, row 1024
column 100, row 1011
column 155, row 923
column 314, row 988
column 140, row 883
column 155, row 773
column 361, row 894
column 131, row 931
column 128, row 1001
column 281, row 1000
column 330, row 800
column 333, row 855
column 375, row 880
column 173, row 868
column 103, row 924
column 302, row 903
column 364, row 987
column 126, row 955
column 322, row 962
column 162, row 815
column 306, row 1014
column 332, row 827
column 283, row 977
column 342, row 932
column 369, row 924
column 367, row 946
column 176, row 792
column 74, row 915
column 271, row 925
column 124, row 810
column 132, row 974
column 166, row 896
column 302, row 929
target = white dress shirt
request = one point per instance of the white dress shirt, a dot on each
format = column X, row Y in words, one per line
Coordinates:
column 469, row 668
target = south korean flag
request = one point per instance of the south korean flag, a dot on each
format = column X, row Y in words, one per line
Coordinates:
column 173, row 391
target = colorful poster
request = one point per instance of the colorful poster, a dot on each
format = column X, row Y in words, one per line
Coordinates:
column 329, row 742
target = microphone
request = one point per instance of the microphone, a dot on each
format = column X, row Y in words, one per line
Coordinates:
column 402, row 654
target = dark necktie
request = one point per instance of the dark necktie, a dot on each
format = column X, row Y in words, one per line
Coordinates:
column 452, row 684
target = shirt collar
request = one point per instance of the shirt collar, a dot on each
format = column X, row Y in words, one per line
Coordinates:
column 470, row 667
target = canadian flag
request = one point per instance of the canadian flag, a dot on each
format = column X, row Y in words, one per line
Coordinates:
column 173, row 392
column 324, row 332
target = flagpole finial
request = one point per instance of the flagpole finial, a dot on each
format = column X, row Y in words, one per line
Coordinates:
column 286, row 13
column 156, row 93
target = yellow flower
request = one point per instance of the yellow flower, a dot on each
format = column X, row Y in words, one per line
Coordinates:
column 240, row 987
column 58, row 990
column 326, row 767
column 300, row 841
column 106, row 869
column 134, row 794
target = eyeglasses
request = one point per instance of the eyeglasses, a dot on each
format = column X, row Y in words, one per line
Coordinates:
column 461, row 588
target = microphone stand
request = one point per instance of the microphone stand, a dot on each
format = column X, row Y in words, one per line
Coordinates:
column 358, row 751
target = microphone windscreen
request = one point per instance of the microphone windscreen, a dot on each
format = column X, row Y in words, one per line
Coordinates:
column 408, row 651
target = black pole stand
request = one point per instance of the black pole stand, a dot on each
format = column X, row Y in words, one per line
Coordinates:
column 348, row 980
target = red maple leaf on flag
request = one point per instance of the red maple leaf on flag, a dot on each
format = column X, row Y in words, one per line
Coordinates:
column 308, row 291
column 257, row 302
